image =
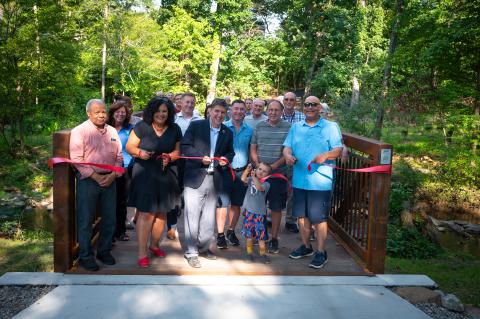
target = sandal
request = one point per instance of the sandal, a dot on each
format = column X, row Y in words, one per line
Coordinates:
column 123, row 237
column 157, row 251
column 144, row 262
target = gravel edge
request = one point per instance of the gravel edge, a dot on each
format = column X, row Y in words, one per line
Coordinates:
column 15, row 298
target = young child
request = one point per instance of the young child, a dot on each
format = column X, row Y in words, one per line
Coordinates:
column 255, row 209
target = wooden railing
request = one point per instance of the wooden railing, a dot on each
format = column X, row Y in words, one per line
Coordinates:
column 359, row 212
column 358, row 215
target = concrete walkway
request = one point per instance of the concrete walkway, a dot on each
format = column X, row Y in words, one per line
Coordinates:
column 245, row 297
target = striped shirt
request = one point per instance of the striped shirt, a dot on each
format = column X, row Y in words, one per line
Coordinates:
column 269, row 140
column 294, row 118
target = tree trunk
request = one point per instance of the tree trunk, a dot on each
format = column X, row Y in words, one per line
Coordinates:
column 357, row 52
column 311, row 70
column 212, row 90
column 476, row 105
column 104, row 48
column 355, row 92
column 477, row 86
column 37, row 49
column 21, row 132
column 387, row 74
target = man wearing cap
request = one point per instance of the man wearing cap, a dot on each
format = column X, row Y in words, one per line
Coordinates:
column 313, row 141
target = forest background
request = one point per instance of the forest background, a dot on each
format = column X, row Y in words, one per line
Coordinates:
column 404, row 71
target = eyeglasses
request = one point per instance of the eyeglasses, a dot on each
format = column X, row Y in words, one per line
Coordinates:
column 310, row 105
column 287, row 99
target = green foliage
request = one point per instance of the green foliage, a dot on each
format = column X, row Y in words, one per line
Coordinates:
column 38, row 58
column 409, row 243
column 454, row 272
column 13, row 229
column 27, row 170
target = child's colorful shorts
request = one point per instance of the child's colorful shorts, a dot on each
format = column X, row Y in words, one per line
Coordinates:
column 254, row 226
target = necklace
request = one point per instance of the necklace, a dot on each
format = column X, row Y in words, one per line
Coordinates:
column 159, row 131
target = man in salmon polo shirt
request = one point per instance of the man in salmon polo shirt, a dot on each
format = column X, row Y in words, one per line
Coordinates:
column 94, row 141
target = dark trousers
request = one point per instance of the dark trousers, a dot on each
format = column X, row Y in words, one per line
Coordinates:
column 123, row 185
column 90, row 196
column 172, row 217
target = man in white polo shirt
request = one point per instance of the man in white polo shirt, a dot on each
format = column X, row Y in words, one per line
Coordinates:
column 187, row 115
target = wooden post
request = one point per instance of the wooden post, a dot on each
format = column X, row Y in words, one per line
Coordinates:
column 63, row 205
column 378, row 208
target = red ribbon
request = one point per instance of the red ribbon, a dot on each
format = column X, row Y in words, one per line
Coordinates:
column 381, row 169
column 199, row 158
column 57, row 160
column 277, row 175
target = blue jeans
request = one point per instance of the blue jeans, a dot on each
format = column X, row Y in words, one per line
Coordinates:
column 89, row 196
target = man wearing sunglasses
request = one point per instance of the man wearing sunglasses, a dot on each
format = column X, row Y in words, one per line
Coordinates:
column 314, row 140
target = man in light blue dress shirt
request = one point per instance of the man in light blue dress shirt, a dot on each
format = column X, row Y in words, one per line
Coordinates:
column 316, row 141
column 242, row 133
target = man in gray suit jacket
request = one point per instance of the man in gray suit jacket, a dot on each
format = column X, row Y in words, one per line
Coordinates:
column 203, row 180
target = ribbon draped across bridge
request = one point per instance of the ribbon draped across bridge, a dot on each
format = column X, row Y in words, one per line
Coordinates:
column 381, row 169
column 57, row 160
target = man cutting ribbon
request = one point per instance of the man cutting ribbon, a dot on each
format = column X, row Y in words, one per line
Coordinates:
column 312, row 141
column 205, row 180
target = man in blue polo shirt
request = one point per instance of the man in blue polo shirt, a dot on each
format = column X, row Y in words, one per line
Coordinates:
column 242, row 133
column 314, row 140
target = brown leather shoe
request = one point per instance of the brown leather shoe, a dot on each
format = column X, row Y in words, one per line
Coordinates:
column 171, row 234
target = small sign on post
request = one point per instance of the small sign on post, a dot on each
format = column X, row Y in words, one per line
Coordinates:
column 385, row 156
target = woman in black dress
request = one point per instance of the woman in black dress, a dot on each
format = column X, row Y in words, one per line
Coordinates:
column 153, row 182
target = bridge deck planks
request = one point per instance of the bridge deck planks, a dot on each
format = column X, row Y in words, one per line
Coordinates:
column 230, row 261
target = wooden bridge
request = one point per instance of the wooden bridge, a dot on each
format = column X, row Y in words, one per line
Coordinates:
column 357, row 223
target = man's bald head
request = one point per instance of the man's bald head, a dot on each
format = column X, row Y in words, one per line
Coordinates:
column 312, row 98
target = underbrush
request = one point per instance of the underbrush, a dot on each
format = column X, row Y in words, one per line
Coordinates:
column 27, row 170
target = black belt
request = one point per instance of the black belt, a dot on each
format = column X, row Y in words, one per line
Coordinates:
column 240, row 169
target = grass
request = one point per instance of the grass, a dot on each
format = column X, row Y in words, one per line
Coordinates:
column 457, row 274
column 25, row 255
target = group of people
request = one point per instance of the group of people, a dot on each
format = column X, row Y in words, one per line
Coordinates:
column 173, row 156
